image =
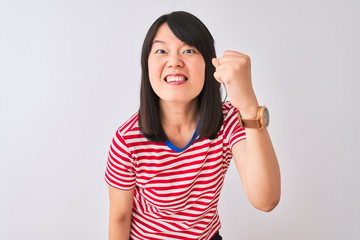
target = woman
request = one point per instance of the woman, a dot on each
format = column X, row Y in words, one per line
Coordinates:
column 167, row 163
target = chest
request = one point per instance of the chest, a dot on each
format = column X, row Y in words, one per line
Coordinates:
column 180, row 180
column 162, row 168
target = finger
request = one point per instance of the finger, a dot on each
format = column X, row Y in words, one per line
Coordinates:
column 217, row 77
column 232, row 59
column 228, row 58
column 215, row 62
column 238, row 54
column 221, row 68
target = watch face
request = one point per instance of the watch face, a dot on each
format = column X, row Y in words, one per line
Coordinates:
column 266, row 117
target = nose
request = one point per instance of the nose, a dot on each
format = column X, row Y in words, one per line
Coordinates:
column 175, row 60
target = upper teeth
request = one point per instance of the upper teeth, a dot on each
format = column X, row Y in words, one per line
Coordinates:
column 175, row 78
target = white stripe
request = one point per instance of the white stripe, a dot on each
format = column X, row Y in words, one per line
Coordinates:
column 170, row 206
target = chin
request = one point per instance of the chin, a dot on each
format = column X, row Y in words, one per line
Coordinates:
column 179, row 100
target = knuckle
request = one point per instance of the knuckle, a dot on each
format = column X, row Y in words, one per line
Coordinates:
column 247, row 59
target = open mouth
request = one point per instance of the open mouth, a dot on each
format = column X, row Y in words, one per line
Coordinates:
column 177, row 78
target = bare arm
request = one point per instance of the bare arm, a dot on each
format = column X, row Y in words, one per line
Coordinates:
column 121, row 203
column 255, row 157
column 258, row 168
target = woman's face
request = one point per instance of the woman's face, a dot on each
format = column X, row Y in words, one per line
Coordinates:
column 176, row 70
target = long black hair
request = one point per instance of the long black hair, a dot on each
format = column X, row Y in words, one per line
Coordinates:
column 193, row 32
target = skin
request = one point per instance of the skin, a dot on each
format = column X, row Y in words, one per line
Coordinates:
column 254, row 157
column 121, row 203
column 178, row 104
column 169, row 56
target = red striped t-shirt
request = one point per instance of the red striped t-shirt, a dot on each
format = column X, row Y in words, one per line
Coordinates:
column 176, row 193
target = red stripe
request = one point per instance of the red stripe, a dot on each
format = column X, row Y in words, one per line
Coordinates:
column 175, row 193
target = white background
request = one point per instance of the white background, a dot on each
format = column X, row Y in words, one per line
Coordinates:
column 70, row 74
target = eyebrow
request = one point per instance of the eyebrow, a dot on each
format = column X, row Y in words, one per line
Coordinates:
column 158, row 41
column 163, row 42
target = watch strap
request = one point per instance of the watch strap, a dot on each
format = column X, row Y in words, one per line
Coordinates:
column 250, row 123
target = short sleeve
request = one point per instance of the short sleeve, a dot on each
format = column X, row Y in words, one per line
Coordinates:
column 234, row 132
column 120, row 168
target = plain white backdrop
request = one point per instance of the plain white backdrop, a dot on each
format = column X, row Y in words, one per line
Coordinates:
column 70, row 74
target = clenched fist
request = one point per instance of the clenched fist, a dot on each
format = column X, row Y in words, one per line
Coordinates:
column 234, row 70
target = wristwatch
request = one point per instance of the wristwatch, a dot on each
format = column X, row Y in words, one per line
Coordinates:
column 261, row 121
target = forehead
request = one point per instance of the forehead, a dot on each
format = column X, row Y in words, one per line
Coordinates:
column 164, row 35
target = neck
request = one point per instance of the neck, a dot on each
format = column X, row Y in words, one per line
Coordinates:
column 179, row 114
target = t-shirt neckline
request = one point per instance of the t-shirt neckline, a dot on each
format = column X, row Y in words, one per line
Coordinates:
column 176, row 149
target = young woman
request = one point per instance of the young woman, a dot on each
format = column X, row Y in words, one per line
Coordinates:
column 167, row 163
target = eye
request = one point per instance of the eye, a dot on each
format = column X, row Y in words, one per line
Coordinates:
column 189, row 51
column 160, row 51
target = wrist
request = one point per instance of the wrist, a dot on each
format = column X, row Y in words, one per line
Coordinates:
column 250, row 112
column 249, row 107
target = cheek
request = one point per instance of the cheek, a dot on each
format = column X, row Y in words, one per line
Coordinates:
column 151, row 68
column 199, row 68
column 155, row 69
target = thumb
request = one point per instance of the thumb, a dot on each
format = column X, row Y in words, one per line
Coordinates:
column 215, row 62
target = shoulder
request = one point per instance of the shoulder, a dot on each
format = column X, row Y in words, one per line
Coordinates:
column 129, row 126
column 228, row 110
